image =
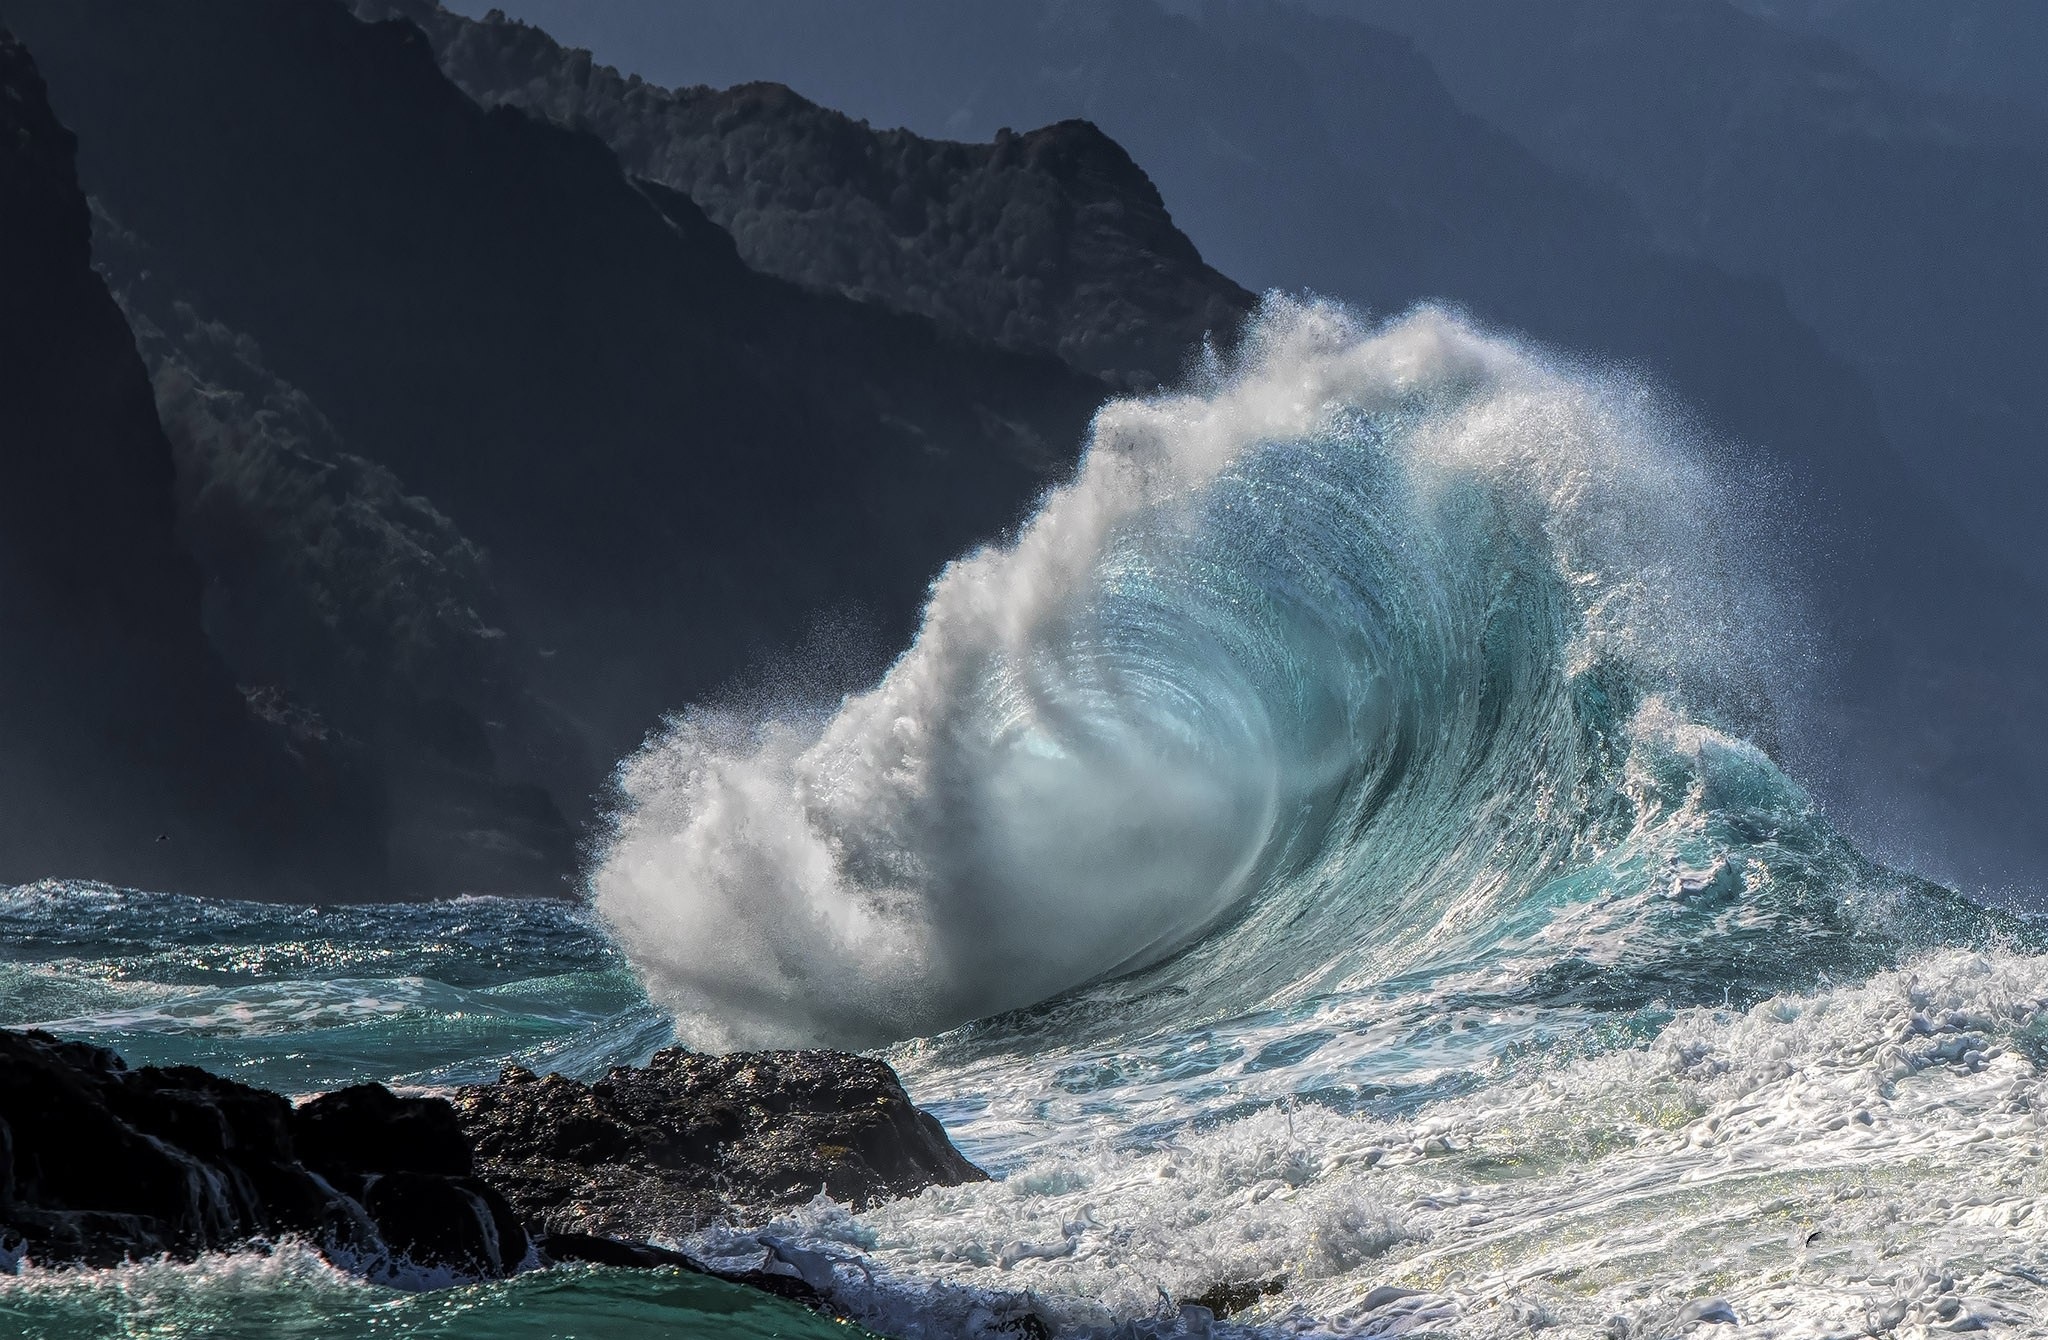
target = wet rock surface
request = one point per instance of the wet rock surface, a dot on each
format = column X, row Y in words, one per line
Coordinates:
column 622, row 1254
column 690, row 1138
column 406, row 1162
column 100, row 1163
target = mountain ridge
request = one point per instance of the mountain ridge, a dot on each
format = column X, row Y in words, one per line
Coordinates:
column 1896, row 220
column 1052, row 240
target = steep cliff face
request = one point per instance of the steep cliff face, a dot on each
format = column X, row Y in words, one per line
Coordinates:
column 1052, row 240
column 126, row 752
column 489, row 384
column 352, row 604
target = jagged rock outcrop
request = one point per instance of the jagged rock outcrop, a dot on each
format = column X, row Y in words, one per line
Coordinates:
column 1052, row 240
column 126, row 752
column 689, row 1138
column 100, row 1164
column 670, row 464
column 405, row 1161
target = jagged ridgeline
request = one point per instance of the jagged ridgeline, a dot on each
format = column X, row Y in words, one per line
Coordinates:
column 1052, row 240
column 489, row 451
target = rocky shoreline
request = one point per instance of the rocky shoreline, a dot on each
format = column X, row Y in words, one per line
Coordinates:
column 100, row 1163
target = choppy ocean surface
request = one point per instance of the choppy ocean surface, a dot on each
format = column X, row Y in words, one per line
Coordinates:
column 1331, row 857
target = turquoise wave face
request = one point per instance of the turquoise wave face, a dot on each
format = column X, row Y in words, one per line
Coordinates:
column 306, row 999
column 1396, row 651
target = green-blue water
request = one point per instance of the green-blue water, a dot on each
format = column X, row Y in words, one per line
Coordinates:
column 295, row 1297
column 306, row 999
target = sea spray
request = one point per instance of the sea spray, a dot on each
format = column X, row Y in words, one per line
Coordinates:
column 1354, row 632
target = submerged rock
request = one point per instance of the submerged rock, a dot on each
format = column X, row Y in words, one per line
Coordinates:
column 690, row 1138
column 100, row 1163
column 628, row 1255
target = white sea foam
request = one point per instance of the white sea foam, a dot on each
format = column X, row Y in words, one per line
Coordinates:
column 1859, row 1160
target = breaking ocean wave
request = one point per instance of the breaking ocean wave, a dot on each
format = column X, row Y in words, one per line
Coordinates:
column 1390, row 651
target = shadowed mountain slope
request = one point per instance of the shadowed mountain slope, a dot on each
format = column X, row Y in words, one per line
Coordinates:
column 126, row 752
column 1052, row 240
column 1988, row 49
column 344, row 600
column 653, row 463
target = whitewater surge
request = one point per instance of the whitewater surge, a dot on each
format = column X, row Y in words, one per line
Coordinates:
column 1363, row 626
column 1858, row 1161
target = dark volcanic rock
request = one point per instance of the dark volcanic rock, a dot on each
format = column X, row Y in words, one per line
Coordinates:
column 689, row 1138
column 100, row 1163
column 406, row 1161
column 103, row 1162
column 366, row 1130
column 625, row 1255
column 614, row 1252
column 457, row 1224
column 1052, row 240
column 126, row 753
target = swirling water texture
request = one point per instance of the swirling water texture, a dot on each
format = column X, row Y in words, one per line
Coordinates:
column 1341, row 662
